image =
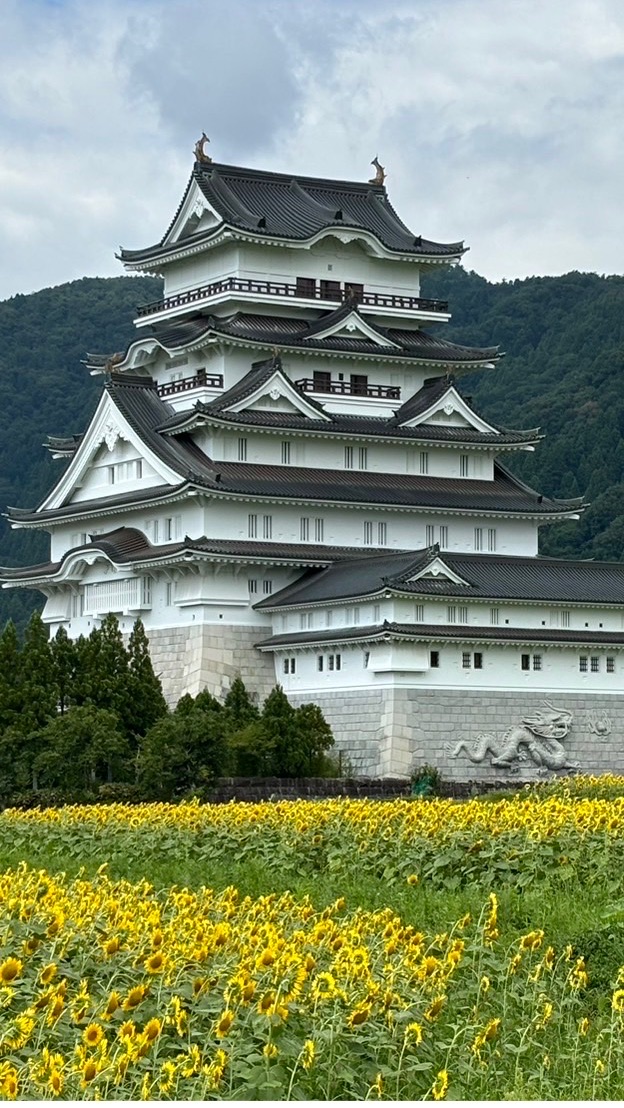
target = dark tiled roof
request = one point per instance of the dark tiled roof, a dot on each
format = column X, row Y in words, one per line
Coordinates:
column 441, row 632
column 299, row 334
column 67, row 445
column 127, row 545
column 102, row 504
column 280, row 205
column 432, row 390
column 504, row 494
column 258, row 374
column 139, row 403
column 347, row 425
column 334, row 422
column 487, row 576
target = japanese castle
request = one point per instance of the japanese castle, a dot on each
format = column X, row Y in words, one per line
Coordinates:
column 283, row 479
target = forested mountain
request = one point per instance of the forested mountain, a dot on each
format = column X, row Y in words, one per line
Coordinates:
column 44, row 389
column 563, row 339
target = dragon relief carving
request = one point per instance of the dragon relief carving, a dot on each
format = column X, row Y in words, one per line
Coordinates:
column 599, row 724
column 538, row 736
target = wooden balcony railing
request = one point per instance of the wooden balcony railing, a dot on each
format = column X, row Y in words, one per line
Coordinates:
column 307, row 289
column 185, row 384
column 350, row 388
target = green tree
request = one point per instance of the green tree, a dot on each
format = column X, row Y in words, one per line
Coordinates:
column 281, row 733
column 39, row 689
column 315, row 739
column 182, row 753
column 10, row 678
column 239, row 707
column 146, row 703
column 63, row 651
column 81, row 748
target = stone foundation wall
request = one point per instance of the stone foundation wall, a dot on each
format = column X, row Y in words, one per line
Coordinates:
column 390, row 731
column 190, row 659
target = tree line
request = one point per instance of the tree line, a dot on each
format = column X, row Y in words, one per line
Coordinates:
column 86, row 719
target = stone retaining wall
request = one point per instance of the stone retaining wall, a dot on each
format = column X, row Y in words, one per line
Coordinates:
column 202, row 656
column 394, row 730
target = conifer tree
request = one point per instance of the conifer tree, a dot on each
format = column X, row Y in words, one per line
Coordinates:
column 63, row 651
column 281, row 733
column 112, row 687
column 240, row 708
column 10, row 677
column 146, row 703
column 39, row 691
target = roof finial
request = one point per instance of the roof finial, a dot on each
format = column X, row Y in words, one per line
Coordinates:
column 380, row 172
column 200, row 154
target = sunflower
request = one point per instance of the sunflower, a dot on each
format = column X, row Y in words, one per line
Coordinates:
column 359, row 1015
column 413, row 1033
column 439, row 1088
column 224, row 1023
column 113, row 1003
column 56, row 1009
column 135, row 996
column 47, row 973
column 152, row 1029
column 92, row 1035
column 9, row 1083
column 270, row 1051
column 434, row 1009
column 617, row 1000
column 307, row 1054
column 89, row 1071
column 155, row 963
column 9, row 970
column 55, row 1083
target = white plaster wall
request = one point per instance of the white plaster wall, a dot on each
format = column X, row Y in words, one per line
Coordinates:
column 329, row 259
column 407, row 667
column 317, row 453
column 344, row 526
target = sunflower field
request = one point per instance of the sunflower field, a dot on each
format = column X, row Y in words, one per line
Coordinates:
column 444, row 970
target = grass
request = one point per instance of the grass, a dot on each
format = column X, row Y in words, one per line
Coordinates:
column 565, row 916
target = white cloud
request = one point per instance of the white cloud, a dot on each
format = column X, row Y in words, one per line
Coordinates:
column 498, row 123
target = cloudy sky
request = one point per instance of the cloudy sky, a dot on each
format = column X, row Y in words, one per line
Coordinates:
column 498, row 121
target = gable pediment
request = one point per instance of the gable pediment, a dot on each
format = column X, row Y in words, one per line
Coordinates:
column 108, row 435
column 451, row 410
column 353, row 326
column 196, row 215
column 436, row 569
column 278, row 394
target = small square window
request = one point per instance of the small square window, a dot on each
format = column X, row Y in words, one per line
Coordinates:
column 478, row 660
column 610, row 665
column 434, row 659
column 338, row 661
column 537, row 661
column 466, row 659
column 595, row 663
column 252, row 585
column 525, row 661
column 583, row 663
column 319, row 663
